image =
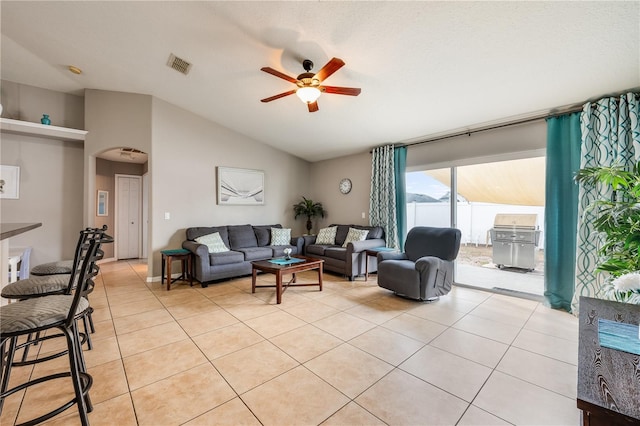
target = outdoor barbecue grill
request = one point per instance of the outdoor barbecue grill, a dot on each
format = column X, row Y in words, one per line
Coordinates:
column 515, row 238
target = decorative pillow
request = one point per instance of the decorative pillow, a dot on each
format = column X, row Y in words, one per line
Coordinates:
column 327, row 235
column 280, row 236
column 355, row 235
column 213, row 242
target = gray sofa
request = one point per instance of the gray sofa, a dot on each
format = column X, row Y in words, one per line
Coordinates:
column 348, row 261
column 246, row 243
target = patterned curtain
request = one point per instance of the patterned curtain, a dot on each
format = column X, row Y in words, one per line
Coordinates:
column 382, row 204
column 610, row 136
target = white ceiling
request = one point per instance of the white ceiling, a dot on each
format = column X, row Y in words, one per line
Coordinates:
column 424, row 67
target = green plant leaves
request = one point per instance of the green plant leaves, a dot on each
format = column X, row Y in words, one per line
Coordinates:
column 618, row 218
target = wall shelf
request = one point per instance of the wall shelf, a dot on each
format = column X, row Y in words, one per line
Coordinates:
column 18, row 127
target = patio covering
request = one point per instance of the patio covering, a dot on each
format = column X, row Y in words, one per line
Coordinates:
column 516, row 182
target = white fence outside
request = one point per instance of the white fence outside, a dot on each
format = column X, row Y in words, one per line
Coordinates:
column 474, row 219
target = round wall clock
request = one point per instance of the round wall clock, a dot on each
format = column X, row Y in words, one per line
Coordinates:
column 345, row 185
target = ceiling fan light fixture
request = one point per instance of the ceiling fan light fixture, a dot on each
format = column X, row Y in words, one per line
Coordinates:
column 308, row 95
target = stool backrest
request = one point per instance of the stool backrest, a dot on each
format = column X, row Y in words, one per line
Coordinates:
column 88, row 236
column 84, row 277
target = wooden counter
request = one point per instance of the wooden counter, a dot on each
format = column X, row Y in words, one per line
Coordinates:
column 8, row 230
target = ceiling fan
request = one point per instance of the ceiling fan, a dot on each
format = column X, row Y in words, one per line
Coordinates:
column 309, row 87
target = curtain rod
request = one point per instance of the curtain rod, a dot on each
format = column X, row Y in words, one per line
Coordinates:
column 543, row 116
column 496, row 126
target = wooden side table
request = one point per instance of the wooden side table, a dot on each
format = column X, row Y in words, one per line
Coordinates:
column 184, row 256
column 373, row 252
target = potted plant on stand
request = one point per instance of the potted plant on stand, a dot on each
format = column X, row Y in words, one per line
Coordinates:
column 308, row 208
column 618, row 219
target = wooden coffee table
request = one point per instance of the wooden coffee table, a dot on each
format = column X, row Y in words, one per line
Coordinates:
column 307, row 264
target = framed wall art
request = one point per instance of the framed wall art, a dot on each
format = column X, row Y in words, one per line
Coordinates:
column 102, row 203
column 240, row 186
column 10, row 182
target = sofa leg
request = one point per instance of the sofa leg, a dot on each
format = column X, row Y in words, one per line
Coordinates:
column 350, row 277
column 204, row 285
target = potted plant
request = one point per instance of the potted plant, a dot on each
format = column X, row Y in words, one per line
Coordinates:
column 308, row 208
column 618, row 219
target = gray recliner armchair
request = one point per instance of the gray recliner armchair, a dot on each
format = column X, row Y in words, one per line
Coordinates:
column 425, row 270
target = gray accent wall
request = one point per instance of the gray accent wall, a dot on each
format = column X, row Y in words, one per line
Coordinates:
column 51, row 172
column 342, row 208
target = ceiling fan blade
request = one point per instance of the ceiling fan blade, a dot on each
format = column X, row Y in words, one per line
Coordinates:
column 279, row 74
column 313, row 106
column 281, row 95
column 332, row 66
column 351, row 91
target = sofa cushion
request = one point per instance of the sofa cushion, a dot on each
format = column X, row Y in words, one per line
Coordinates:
column 336, row 253
column 226, row 258
column 327, row 235
column 317, row 249
column 213, row 242
column 355, row 235
column 263, row 234
column 375, row 232
column 256, row 253
column 280, row 237
column 341, row 233
column 193, row 233
column 241, row 236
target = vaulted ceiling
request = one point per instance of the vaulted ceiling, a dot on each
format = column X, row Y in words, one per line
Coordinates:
column 424, row 67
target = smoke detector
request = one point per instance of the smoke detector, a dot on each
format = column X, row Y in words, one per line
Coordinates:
column 179, row 64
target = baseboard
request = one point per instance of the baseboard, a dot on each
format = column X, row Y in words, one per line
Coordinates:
column 111, row 259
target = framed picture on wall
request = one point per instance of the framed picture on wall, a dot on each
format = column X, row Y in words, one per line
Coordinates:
column 240, row 186
column 102, row 203
column 10, row 182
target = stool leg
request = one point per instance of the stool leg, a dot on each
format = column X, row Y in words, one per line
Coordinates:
column 7, row 361
column 82, row 366
column 87, row 330
column 93, row 329
column 168, row 273
column 163, row 266
column 75, row 376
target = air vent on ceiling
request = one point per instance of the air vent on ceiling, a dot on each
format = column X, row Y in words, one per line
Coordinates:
column 179, row 64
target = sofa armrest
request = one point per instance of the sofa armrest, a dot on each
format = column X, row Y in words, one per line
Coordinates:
column 360, row 246
column 298, row 242
column 307, row 240
column 199, row 250
column 425, row 263
column 391, row 255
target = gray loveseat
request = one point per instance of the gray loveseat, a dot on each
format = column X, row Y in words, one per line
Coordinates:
column 350, row 260
column 246, row 243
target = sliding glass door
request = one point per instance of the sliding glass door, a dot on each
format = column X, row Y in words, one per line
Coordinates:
column 484, row 192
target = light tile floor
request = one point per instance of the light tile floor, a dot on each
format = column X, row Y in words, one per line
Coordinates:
column 353, row 354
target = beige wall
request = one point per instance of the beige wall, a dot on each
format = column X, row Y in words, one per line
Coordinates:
column 185, row 152
column 106, row 181
column 342, row 209
column 51, row 172
column 519, row 141
column 28, row 103
column 114, row 120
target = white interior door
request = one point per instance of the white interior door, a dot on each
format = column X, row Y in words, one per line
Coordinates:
column 145, row 213
column 128, row 211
